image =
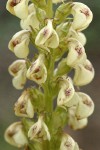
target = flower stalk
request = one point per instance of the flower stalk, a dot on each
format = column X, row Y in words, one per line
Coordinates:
column 52, row 103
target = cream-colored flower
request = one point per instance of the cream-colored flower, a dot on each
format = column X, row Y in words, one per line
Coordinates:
column 31, row 19
column 73, row 101
column 78, row 36
column 73, row 122
column 47, row 36
column 84, row 73
column 76, row 54
column 82, row 16
column 85, row 106
column 66, row 92
column 37, row 71
column 57, row 1
column 67, row 143
column 76, row 147
column 23, row 107
column 77, row 124
column 18, row 70
column 39, row 131
column 19, row 43
column 15, row 136
column 18, row 8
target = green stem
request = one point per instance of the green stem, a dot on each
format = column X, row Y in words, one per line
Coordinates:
column 49, row 9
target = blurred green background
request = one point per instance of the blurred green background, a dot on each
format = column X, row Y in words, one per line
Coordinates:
column 88, row 138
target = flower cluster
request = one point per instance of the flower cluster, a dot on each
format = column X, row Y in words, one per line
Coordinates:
column 59, row 40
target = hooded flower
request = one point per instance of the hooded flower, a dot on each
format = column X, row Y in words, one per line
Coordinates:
column 77, row 124
column 39, row 131
column 84, row 73
column 76, row 54
column 15, row 135
column 82, row 16
column 31, row 19
column 85, row 107
column 18, row 70
column 67, row 143
column 37, row 71
column 24, row 107
column 19, row 43
column 47, row 36
column 73, row 122
column 66, row 92
column 18, row 8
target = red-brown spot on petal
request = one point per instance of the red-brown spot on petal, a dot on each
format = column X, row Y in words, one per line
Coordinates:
column 68, row 92
column 88, row 103
column 89, row 67
column 85, row 11
column 15, row 43
column 14, row 3
column 79, row 50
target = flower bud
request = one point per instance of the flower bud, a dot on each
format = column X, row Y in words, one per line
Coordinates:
column 31, row 20
column 37, row 71
column 62, row 12
column 24, row 107
column 85, row 107
column 67, row 143
column 18, row 70
column 19, row 43
column 82, row 16
column 39, row 130
column 15, row 136
column 63, row 29
column 47, row 36
column 78, row 36
column 66, row 92
column 62, row 68
column 18, row 8
column 84, row 73
column 76, row 54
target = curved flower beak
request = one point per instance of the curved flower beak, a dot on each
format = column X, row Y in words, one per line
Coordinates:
column 19, row 43
column 18, row 8
column 23, row 107
column 18, row 70
column 76, row 54
column 84, row 74
column 37, row 71
column 67, row 143
column 85, row 107
column 66, row 92
column 15, row 136
column 39, row 131
column 82, row 16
